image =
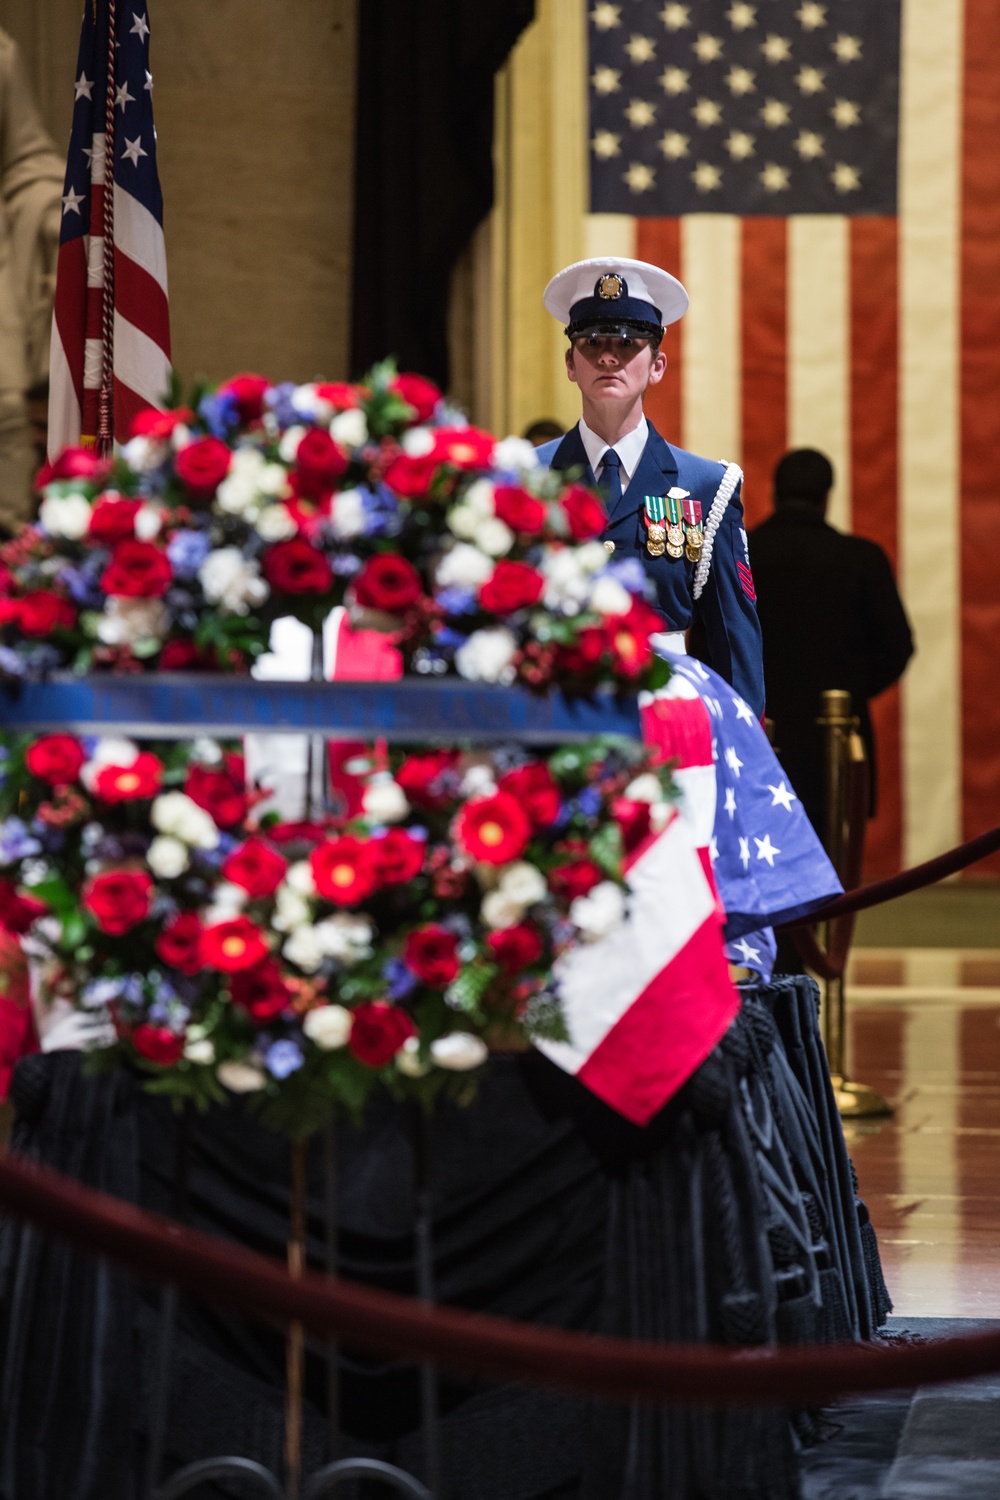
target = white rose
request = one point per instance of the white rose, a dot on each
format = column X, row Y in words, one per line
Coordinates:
column 328, row 1026
column 127, row 620
column 167, row 857
column 350, row 428
column 142, row 454
column 486, row 656
column 600, row 911
column 299, row 877
column 479, row 780
column 522, row 882
column 464, row 566
column 206, row 752
column 660, row 814
column 110, row 751
column 609, row 597
column 232, row 581
column 238, row 495
column 345, row 937
column 480, row 499
column 201, row 1050
column 347, row 515
column 240, row 1077
column 459, row 1051
column 384, row 801
column 275, row 523
column 148, row 521
column 175, row 813
column 65, row 515
column 462, row 521
column 180, row 437
column 272, row 480
column 494, row 537
column 305, row 948
column 515, row 455
column 417, row 442
column 288, row 447
column 500, row 910
column 409, row 1061
column 566, row 584
column 645, row 788
column 591, row 556
column 229, row 898
column 290, row 910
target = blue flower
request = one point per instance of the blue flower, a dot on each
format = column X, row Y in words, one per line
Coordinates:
column 589, row 801
column 11, row 664
column 84, row 588
column 187, row 551
column 345, row 564
column 455, row 600
column 629, row 572
column 16, row 842
column 449, row 640
column 101, row 992
column 220, row 413
column 279, row 400
column 383, row 515
column 283, row 1058
column 400, row 981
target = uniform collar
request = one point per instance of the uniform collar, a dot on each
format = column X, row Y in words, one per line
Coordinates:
column 629, row 448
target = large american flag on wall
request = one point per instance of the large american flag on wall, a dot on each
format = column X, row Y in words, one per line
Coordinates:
column 141, row 312
column 825, row 179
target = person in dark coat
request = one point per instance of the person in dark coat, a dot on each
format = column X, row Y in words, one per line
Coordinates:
column 831, row 617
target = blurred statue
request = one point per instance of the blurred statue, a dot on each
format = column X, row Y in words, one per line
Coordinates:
column 31, row 181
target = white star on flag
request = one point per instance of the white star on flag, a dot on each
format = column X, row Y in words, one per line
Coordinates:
column 782, row 796
column 733, row 761
column 141, row 27
column 133, row 150
column 745, row 853
column 747, row 953
column 72, row 201
column 730, row 802
column 743, row 710
column 123, row 97
column 765, row 849
column 82, row 87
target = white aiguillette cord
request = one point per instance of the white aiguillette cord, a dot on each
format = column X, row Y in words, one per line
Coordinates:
column 723, row 495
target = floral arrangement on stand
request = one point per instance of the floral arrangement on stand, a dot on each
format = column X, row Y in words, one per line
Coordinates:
column 218, row 949
column 260, row 501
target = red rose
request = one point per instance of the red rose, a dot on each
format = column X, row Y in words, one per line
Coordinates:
column 340, row 394
column 179, row 945
column 17, row 912
column 42, row 612
column 248, row 393
column 513, row 585
column 113, row 519
column 72, row 463
column 296, row 567
column 628, row 636
column 202, row 466
column 516, row 948
column 387, row 581
column 118, row 899
column 431, row 953
column 519, row 509
column 399, row 856
column 158, row 1044
column 261, row 991
column 633, row 820
column 319, row 461
column 575, row 878
column 256, row 867
column 182, row 656
column 411, row 477
column 493, row 829
column 420, row 776
column 219, row 792
column 378, row 1030
column 345, row 870
column 55, row 758
column 534, row 789
column 143, row 778
column 584, row 512
column 158, row 425
column 139, row 570
column 232, row 945
column 583, row 656
column 295, row 833
column 417, row 392
column 464, row 447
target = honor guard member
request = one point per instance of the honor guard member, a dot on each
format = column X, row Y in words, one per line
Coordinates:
column 680, row 514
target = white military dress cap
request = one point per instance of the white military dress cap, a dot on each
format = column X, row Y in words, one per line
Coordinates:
column 615, row 290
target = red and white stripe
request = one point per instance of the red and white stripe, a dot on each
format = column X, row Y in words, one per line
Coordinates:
column 141, row 322
column 876, row 340
column 645, row 1005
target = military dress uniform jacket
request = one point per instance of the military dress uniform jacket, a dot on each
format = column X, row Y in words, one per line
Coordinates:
column 725, row 616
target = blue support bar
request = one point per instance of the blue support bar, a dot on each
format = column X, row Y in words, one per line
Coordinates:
column 181, row 705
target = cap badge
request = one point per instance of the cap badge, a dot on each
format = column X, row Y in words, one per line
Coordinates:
column 610, row 288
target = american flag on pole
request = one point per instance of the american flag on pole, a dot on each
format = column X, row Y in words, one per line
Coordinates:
column 824, row 177
column 125, row 164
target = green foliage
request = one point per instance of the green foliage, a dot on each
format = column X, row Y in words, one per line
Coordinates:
column 607, row 850
column 466, row 991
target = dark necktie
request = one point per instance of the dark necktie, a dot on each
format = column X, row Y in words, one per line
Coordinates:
column 611, row 480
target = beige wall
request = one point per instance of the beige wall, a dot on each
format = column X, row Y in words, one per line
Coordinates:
column 254, row 114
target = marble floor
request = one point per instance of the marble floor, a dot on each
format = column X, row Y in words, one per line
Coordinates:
column 924, row 1029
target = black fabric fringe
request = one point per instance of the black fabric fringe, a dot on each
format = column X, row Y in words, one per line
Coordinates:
column 731, row 1219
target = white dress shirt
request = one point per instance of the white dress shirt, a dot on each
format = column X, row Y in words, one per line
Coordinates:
column 629, row 449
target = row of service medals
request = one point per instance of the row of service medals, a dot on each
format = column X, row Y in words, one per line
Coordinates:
column 674, row 525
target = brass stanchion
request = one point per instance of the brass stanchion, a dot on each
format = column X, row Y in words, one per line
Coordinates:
column 846, row 765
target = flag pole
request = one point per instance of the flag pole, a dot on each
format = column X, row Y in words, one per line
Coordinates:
column 106, row 401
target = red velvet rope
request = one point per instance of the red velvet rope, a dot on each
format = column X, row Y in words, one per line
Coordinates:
column 471, row 1343
column 928, row 873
